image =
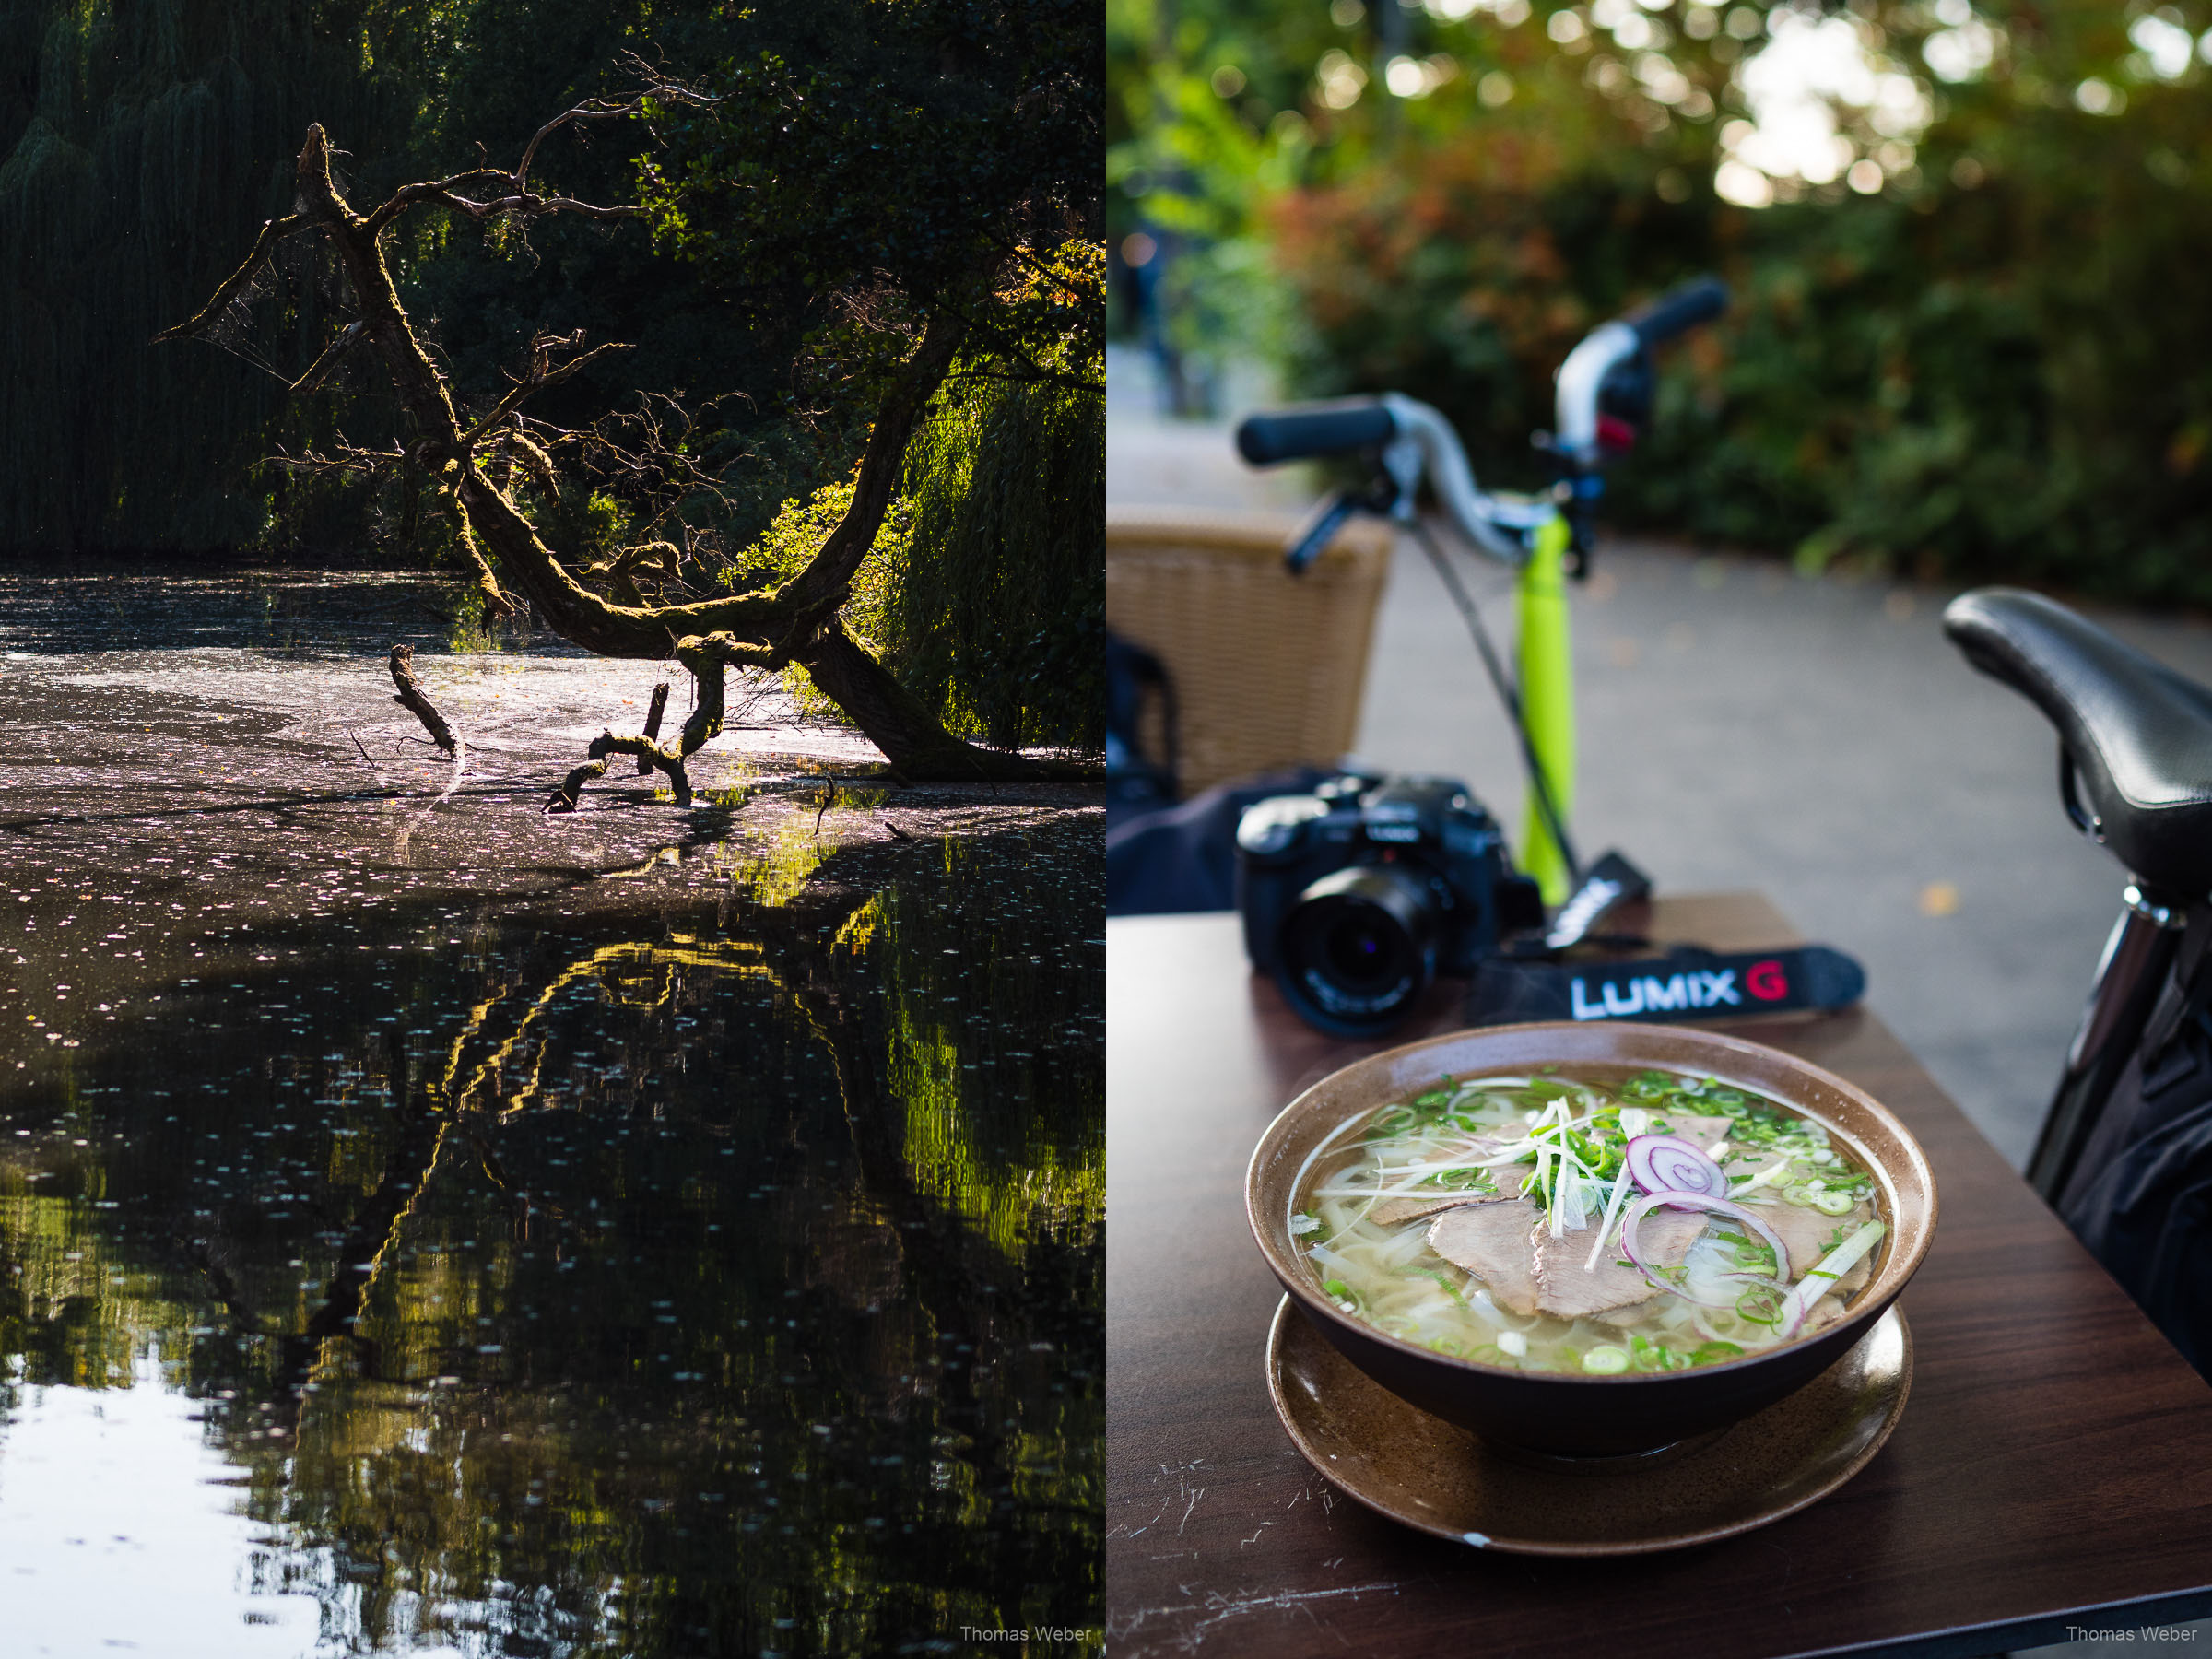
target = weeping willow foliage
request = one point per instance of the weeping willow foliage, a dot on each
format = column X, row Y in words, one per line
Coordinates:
column 985, row 590
column 996, row 617
column 142, row 143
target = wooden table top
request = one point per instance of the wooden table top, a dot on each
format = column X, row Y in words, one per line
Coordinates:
column 2053, row 1463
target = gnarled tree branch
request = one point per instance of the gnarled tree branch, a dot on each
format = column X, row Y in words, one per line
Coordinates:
column 794, row 622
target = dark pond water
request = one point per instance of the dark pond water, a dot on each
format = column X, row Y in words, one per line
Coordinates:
column 702, row 1259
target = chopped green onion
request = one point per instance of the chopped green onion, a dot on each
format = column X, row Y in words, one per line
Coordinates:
column 1760, row 1305
column 1831, row 1267
column 1605, row 1361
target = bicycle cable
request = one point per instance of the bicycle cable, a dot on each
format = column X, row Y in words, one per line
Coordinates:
column 1508, row 694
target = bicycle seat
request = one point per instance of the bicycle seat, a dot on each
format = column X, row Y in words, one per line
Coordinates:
column 2136, row 736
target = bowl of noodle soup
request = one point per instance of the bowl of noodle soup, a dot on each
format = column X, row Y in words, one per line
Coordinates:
column 1590, row 1240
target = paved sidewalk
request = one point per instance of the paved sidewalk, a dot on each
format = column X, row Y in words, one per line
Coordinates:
column 1744, row 727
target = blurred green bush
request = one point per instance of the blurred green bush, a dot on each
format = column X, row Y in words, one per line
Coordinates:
column 1996, row 362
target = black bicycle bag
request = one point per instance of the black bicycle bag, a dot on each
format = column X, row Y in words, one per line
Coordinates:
column 2140, row 1197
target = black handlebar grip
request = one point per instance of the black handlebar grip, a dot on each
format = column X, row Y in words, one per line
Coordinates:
column 1679, row 309
column 1314, row 429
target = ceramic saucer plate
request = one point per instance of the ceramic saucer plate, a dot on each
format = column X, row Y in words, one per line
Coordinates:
column 1424, row 1472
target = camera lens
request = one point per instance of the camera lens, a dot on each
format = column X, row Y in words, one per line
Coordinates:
column 1359, row 948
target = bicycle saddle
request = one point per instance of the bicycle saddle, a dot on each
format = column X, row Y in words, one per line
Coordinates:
column 2136, row 736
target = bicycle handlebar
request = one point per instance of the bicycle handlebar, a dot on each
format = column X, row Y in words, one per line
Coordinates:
column 1582, row 376
column 1414, row 438
column 1314, row 429
column 1678, row 309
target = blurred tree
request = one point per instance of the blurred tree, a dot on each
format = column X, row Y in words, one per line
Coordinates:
column 1967, row 245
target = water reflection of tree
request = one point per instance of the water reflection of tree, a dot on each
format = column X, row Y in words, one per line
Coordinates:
column 935, row 1296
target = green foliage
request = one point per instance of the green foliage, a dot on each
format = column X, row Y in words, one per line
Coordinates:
column 984, row 591
column 1462, row 275
column 883, row 151
column 998, row 617
column 2002, row 372
column 881, row 159
column 788, row 544
column 604, row 523
column 498, row 74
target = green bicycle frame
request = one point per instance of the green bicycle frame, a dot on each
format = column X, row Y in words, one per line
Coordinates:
column 1546, row 674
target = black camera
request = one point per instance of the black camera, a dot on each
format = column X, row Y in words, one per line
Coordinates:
column 1356, row 896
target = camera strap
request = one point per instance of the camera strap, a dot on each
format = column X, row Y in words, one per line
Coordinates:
column 1687, row 983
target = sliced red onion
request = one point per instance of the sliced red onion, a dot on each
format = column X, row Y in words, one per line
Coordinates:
column 1668, row 1163
column 1644, row 1205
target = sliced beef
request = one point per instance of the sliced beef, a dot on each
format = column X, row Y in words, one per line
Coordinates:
column 1494, row 1243
column 1392, row 1211
column 1567, row 1289
column 1627, row 1314
column 1807, row 1232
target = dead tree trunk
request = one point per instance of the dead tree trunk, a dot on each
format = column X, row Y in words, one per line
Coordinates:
column 411, row 698
column 795, row 622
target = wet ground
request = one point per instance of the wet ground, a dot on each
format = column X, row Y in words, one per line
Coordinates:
column 433, row 1227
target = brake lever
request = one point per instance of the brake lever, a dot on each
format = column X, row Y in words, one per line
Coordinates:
column 1319, row 526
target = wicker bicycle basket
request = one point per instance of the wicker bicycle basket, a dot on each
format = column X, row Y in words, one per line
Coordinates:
column 1268, row 667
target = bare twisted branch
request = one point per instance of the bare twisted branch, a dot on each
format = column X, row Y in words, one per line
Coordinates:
column 515, row 196
column 542, row 373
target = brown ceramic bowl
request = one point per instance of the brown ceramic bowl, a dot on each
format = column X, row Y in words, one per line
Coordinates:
column 1593, row 1416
